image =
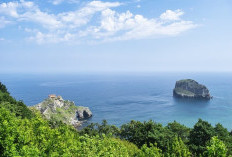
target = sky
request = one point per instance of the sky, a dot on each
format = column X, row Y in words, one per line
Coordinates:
column 78, row 36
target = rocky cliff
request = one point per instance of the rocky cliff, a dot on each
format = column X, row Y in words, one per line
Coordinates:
column 63, row 110
column 190, row 89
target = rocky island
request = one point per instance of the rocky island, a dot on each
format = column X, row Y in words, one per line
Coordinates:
column 188, row 88
column 63, row 110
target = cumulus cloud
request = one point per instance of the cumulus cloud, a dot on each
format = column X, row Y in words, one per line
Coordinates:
column 83, row 15
column 171, row 15
column 28, row 11
column 94, row 21
column 126, row 26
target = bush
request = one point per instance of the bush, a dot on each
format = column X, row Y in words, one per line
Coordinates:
column 216, row 148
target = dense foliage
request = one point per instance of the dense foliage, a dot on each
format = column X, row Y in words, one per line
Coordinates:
column 25, row 132
column 34, row 137
column 17, row 107
column 216, row 148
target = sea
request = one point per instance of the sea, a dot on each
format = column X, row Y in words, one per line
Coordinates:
column 120, row 98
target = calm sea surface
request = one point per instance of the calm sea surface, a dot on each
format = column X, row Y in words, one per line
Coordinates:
column 120, row 98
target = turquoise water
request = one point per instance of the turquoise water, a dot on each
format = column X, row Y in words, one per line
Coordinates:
column 119, row 98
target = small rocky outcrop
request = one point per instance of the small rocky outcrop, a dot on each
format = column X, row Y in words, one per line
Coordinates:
column 83, row 113
column 191, row 89
column 63, row 110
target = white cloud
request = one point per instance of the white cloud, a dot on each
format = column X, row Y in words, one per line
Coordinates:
column 80, row 26
column 46, row 20
column 126, row 26
column 83, row 15
column 112, row 21
column 9, row 8
column 171, row 15
column 28, row 11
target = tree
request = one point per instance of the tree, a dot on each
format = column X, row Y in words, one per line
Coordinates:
column 3, row 88
column 133, row 132
column 177, row 148
column 216, row 148
column 179, row 130
column 152, row 151
column 221, row 132
column 201, row 133
column 108, row 130
column 8, row 126
column 145, row 133
column 95, row 129
column 17, row 107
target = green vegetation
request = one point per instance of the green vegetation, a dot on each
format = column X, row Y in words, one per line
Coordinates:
column 17, row 107
column 34, row 137
column 3, row 88
column 60, row 110
column 216, row 148
column 25, row 132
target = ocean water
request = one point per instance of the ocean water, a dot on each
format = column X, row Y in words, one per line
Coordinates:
column 119, row 98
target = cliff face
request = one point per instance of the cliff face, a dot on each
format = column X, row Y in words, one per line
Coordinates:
column 63, row 110
column 190, row 89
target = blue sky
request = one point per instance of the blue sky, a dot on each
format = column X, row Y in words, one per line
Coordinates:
column 57, row 36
